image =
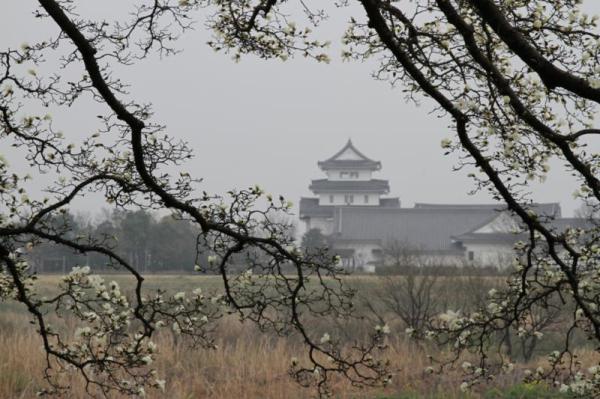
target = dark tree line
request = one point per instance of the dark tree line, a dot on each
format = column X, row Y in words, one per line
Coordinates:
column 149, row 242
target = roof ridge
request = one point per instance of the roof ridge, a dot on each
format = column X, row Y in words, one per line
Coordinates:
column 349, row 145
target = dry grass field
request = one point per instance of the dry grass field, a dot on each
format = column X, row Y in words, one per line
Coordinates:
column 246, row 365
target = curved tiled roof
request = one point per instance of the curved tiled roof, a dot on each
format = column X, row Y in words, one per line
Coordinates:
column 363, row 162
column 309, row 207
column 428, row 229
column 349, row 186
column 558, row 225
column 548, row 209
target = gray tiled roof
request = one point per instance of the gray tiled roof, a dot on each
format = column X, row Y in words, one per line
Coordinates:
column 349, row 186
column 393, row 202
column 496, row 238
column 350, row 164
column 558, row 225
column 309, row 207
column 428, row 229
column 576, row 223
column 550, row 209
column 363, row 163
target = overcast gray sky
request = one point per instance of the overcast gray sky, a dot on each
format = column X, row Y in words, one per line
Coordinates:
column 270, row 122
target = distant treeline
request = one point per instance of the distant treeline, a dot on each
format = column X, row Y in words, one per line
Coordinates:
column 148, row 242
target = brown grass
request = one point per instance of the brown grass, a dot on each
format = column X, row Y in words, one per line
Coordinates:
column 246, row 365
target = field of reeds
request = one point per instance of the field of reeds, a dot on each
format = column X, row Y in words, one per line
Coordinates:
column 250, row 364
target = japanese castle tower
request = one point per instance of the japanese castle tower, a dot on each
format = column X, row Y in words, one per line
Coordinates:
column 350, row 208
column 349, row 183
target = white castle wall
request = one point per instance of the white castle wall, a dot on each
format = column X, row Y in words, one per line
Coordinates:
column 339, row 199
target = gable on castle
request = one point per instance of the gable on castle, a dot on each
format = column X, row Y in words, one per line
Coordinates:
column 350, row 207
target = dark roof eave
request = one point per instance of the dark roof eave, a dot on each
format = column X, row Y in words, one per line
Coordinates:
column 364, row 165
column 348, row 191
column 499, row 238
column 349, row 186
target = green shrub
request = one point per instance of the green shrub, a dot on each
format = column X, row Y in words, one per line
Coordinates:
column 526, row 391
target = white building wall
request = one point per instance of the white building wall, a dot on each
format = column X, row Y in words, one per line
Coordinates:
column 497, row 255
column 365, row 259
column 339, row 199
column 339, row 175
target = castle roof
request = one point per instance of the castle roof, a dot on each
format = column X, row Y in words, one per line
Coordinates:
column 547, row 209
column 309, row 207
column 425, row 229
column 556, row 225
column 435, row 227
column 349, row 186
column 349, row 157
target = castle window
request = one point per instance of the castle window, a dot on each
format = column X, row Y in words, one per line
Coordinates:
column 366, row 199
column 331, row 199
column 471, row 255
column 354, row 175
column 349, row 198
column 343, row 175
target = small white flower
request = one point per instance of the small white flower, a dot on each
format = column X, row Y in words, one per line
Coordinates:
column 7, row 90
column 180, row 296
column 446, row 143
column 594, row 83
column 160, row 384
column 151, row 347
column 466, row 366
column 83, row 332
column 325, row 338
column 564, row 388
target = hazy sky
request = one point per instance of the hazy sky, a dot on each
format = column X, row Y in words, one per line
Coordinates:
column 270, row 122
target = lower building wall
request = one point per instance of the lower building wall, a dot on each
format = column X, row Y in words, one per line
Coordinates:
column 430, row 260
column 367, row 256
column 496, row 255
column 363, row 259
column 337, row 199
